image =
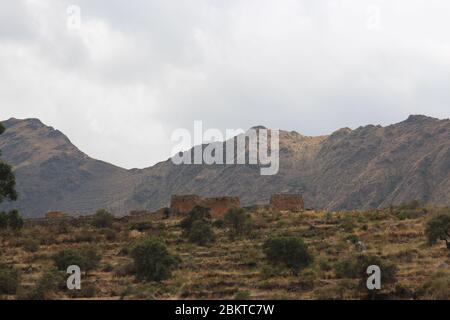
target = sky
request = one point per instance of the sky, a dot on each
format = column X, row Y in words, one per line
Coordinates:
column 118, row 77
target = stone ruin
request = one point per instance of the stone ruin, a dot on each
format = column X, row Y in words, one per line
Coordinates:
column 184, row 203
column 55, row 214
column 287, row 202
column 218, row 205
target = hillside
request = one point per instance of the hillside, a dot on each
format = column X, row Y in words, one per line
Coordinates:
column 232, row 268
column 371, row 166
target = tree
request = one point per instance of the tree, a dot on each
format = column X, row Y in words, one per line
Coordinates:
column 290, row 252
column 103, row 219
column 438, row 228
column 238, row 222
column 152, row 260
column 197, row 213
column 3, row 220
column 7, row 179
column 15, row 221
column 201, row 233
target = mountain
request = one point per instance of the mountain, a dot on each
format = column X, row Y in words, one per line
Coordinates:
column 372, row 166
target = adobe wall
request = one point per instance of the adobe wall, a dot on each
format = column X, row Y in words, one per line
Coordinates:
column 184, row 203
column 220, row 205
column 287, row 202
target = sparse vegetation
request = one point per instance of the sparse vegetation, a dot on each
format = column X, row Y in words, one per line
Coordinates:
column 249, row 267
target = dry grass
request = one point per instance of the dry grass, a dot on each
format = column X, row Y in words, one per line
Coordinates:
column 228, row 269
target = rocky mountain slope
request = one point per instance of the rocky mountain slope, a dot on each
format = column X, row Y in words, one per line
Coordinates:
column 371, row 166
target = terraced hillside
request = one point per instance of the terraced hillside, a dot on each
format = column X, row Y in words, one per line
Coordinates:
column 228, row 269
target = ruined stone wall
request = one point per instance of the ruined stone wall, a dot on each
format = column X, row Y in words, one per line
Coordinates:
column 184, row 203
column 287, row 202
column 220, row 205
column 55, row 214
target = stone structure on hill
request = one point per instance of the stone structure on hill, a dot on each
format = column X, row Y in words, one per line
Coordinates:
column 184, row 203
column 220, row 205
column 55, row 214
column 287, row 202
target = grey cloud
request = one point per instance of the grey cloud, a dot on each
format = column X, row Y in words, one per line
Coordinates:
column 148, row 67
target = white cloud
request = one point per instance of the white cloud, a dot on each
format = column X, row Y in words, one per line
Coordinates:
column 137, row 70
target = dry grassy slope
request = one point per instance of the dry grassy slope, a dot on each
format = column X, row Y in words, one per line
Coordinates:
column 371, row 166
column 228, row 267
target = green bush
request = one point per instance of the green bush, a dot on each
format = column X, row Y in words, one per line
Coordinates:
column 152, row 260
column 87, row 258
column 238, row 222
column 103, row 219
column 438, row 228
column 48, row 284
column 9, row 280
column 197, row 213
column 356, row 267
column 68, row 257
column 201, row 233
column 11, row 220
column 290, row 252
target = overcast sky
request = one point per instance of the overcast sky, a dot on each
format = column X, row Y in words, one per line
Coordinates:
column 131, row 72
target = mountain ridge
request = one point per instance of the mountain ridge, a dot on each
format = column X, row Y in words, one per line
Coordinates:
column 370, row 166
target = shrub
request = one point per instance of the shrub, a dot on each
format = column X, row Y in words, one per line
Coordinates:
column 91, row 258
column 9, row 280
column 290, row 252
column 11, row 220
column 238, row 222
column 356, row 267
column 87, row 258
column 110, row 234
column 152, row 260
column 49, row 283
column 242, row 295
column 67, row 257
column 31, row 245
column 219, row 224
column 3, row 221
column 103, row 219
column 197, row 213
column 437, row 287
column 201, row 233
column 438, row 228
column 141, row 226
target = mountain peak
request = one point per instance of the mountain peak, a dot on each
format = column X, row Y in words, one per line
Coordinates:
column 419, row 118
